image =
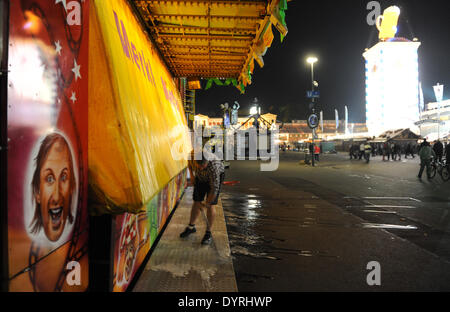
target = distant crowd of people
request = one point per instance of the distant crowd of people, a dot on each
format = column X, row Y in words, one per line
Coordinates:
column 394, row 150
column 365, row 149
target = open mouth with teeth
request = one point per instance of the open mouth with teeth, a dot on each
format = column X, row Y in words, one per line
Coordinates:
column 56, row 217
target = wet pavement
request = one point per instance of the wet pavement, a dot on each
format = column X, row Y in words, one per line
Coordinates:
column 183, row 264
column 316, row 229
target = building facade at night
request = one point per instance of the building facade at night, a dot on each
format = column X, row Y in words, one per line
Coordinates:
column 298, row 132
column 243, row 122
column 428, row 121
column 295, row 132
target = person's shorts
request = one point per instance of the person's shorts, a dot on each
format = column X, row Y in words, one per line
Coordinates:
column 201, row 189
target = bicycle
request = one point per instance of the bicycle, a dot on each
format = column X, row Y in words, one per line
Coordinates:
column 445, row 174
column 433, row 168
column 442, row 168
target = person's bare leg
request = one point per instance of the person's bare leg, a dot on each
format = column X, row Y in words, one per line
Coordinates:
column 195, row 211
column 211, row 215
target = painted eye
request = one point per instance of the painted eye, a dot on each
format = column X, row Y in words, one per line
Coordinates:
column 50, row 179
column 64, row 177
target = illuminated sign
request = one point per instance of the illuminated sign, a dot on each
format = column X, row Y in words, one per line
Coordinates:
column 387, row 23
column 313, row 121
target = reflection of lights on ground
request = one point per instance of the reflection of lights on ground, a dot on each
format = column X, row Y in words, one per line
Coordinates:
column 251, row 214
column 388, row 226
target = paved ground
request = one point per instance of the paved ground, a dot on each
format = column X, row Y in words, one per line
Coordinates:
column 185, row 265
column 315, row 229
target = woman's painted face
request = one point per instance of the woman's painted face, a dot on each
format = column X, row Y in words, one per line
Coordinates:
column 55, row 193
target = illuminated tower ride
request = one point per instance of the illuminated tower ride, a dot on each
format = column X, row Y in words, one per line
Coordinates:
column 392, row 78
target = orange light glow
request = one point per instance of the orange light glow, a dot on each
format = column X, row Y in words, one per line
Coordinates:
column 32, row 24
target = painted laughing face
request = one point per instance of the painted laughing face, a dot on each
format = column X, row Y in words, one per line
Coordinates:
column 53, row 186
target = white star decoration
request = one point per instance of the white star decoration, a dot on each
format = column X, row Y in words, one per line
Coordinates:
column 76, row 69
column 63, row 2
column 73, row 98
column 58, row 47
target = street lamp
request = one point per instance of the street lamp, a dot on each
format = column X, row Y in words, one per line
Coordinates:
column 255, row 109
column 311, row 60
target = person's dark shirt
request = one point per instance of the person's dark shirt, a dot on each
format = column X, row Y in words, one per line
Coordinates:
column 447, row 152
column 438, row 148
column 211, row 174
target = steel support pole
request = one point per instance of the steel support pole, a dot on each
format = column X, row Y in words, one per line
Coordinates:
column 313, row 110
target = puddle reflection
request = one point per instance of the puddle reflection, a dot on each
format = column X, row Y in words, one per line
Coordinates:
column 388, row 226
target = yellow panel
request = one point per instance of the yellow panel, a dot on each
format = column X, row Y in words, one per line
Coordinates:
column 136, row 118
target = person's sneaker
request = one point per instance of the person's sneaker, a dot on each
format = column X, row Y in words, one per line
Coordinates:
column 188, row 231
column 207, row 238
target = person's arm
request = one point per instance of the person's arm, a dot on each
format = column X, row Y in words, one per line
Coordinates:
column 191, row 174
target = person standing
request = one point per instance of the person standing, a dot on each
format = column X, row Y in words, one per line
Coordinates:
column 424, row 143
column 398, row 151
column 387, row 150
column 367, row 151
column 447, row 153
column 438, row 150
column 374, row 149
column 208, row 176
column 350, row 152
column 408, row 150
column 316, row 152
column 361, row 150
column 392, row 148
column 426, row 153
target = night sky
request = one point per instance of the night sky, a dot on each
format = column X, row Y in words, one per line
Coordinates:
column 337, row 33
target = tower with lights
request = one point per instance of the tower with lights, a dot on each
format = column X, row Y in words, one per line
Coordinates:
column 392, row 79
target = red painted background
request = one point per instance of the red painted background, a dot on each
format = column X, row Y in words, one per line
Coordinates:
column 47, row 93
